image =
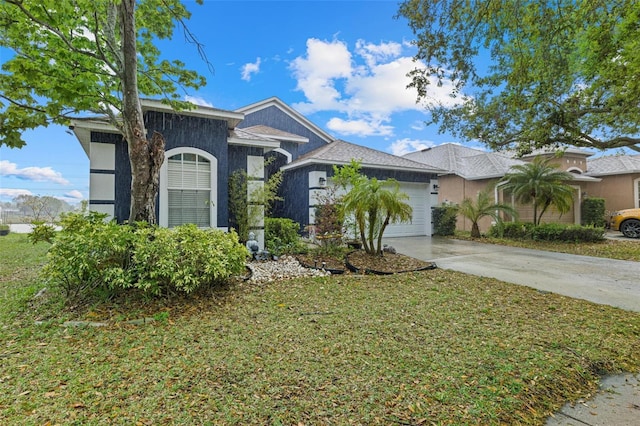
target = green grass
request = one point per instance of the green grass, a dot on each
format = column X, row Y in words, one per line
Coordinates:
column 435, row 347
column 611, row 249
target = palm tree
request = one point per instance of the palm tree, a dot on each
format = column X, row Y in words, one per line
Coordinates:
column 542, row 185
column 482, row 207
column 375, row 204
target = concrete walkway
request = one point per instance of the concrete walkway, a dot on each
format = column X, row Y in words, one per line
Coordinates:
column 599, row 280
column 604, row 281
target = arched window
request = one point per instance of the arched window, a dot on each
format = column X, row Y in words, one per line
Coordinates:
column 188, row 192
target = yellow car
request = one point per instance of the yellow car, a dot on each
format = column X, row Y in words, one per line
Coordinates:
column 626, row 221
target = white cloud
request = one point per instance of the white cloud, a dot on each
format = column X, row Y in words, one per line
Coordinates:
column 418, row 125
column 374, row 53
column 74, row 194
column 359, row 127
column 13, row 193
column 196, row 100
column 384, row 90
column 405, row 146
column 71, row 197
column 317, row 74
column 36, row 174
column 368, row 85
column 249, row 69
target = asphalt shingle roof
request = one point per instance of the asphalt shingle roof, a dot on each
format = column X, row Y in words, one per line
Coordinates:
column 273, row 133
column 342, row 152
column 613, row 165
column 486, row 165
column 244, row 134
column 474, row 164
column 445, row 156
column 469, row 163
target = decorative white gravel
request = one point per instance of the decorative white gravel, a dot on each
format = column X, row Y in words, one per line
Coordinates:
column 286, row 267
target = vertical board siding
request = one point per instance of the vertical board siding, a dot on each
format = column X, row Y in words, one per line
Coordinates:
column 399, row 175
column 274, row 117
column 295, row 190
column 178, row 131
column 203, row 133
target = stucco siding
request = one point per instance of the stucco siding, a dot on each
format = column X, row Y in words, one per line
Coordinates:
column 617, row 190
column 454, row 189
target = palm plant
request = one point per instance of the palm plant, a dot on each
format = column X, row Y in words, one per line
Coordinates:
column 375, row 204
column 542, row 185
column 484, row 206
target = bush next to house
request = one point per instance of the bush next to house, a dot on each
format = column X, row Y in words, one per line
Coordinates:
column 90, row 256
column 547, row 232
column 444, row 219
column 281, row 236
column 593, row 212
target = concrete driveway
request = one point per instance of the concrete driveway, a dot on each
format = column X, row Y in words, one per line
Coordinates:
column 604, row 281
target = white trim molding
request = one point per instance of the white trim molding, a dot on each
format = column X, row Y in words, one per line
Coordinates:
column 285, row 153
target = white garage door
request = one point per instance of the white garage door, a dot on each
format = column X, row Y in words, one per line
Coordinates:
column 421, row 222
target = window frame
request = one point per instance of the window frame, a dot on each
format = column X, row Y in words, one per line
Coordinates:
column 164, row 184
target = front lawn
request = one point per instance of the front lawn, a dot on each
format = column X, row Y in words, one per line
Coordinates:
column 435, row 347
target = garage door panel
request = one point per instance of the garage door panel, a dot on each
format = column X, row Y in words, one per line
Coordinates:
column 421, row 220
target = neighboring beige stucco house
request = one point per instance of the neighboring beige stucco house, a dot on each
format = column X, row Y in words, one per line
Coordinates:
column 620, row 181
column 469, row 171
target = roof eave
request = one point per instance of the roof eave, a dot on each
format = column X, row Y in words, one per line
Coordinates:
column 619, row 172
column 232, row 118
column 307, row 162
column 260, row 143
column 299, row 139
column 82, row 128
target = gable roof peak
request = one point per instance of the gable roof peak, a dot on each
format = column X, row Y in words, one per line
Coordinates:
column 274, row 101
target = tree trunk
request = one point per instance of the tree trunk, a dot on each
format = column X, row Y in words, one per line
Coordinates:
column 475, row 230
column 145, row 156
column 382, row 228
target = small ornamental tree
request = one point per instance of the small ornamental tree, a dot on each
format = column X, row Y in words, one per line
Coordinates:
column 329, row 217
column 483, row 206
column 375, row 204
column 243, row 202
column 542, row 185
column 344, row 178
column 73, row 58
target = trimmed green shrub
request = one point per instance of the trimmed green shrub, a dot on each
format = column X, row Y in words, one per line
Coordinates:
column 547, row 232
column 90, row 256
column 511, row 230
column 444, row 220
column 185, row 258
column 593, row 212
column 281, row 236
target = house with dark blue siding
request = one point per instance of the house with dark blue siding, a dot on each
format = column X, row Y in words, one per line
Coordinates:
column 204, row 146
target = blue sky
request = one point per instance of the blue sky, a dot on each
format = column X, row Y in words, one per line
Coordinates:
column 342, row 64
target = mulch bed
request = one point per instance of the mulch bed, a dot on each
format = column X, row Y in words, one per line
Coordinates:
column 359, row 261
